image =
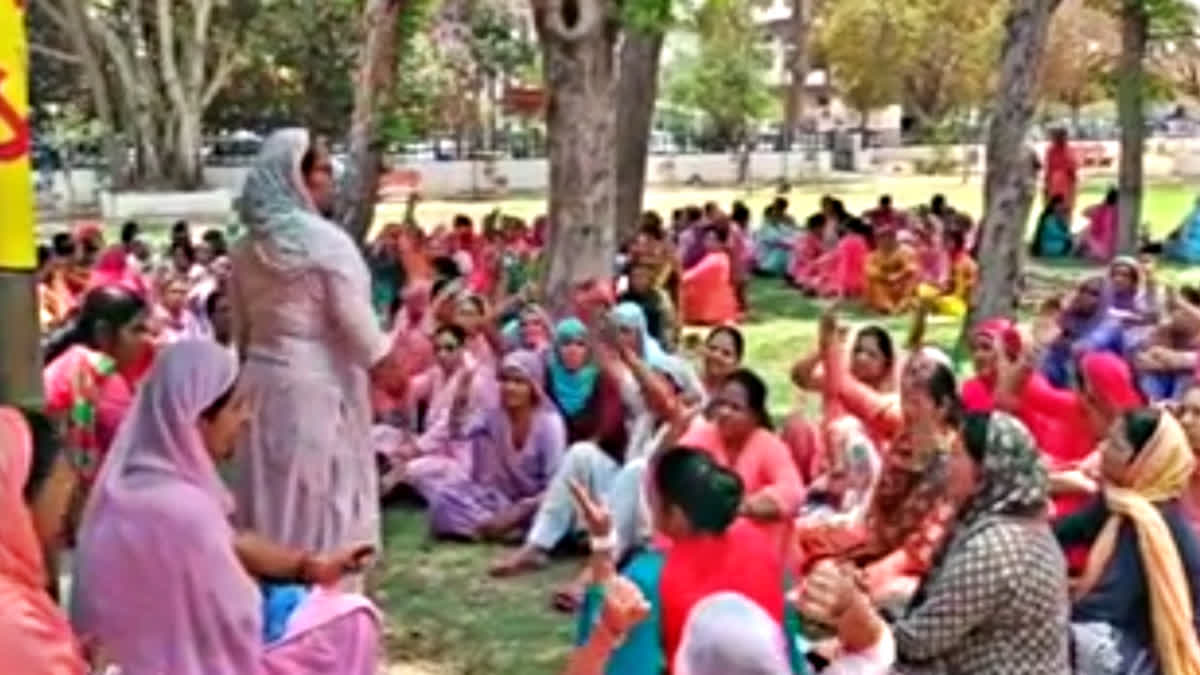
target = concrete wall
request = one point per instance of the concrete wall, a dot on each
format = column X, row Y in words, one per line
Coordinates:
column 466, row 178
column 448, row 179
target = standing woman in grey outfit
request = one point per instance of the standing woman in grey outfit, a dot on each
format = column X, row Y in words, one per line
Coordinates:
column 311, row 344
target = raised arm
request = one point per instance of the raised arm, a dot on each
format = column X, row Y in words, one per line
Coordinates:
column 806, row 373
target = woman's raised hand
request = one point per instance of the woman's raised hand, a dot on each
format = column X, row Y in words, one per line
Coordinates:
column 827, row 331
column 595, row 516
column 624, row 606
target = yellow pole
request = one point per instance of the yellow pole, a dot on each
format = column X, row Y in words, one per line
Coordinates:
column 20, row 359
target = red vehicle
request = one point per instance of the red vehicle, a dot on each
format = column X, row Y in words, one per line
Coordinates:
column 1091, row 155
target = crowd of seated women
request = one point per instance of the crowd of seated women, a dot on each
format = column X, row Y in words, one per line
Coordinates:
column 1037, row 514
column 889, row 259
column 916, row 523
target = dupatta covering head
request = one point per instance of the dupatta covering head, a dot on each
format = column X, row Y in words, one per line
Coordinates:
column 728, row 633
column 159, row 438
column 502, row 465
column 1160, row 472
column 529, row 364
column 1013, row 481
column 1109, row 378
column 1003, row 333
column 35, row 638
column 277, row 210
column 629, row 315
column 159, row 583
column 571, row 389
column 1130, row 300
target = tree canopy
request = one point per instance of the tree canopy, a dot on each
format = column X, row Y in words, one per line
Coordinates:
column 725, row 77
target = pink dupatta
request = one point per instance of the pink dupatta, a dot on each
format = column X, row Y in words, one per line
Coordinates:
column 1100, row 237
column 160, row 584
column 35, row 638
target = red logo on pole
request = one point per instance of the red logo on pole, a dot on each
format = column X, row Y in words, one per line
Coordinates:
column 18, row 142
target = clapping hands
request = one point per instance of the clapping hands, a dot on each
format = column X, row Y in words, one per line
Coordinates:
column 826, row 592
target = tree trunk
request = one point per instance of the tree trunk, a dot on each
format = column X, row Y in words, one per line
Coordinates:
column 187, row 146
column 1010, row 180
column 638, row 88
column 743, row 160
column 376, row 68
column 68, row 182
column 1131, row 115
column 579, row 61
column 798, row 70
column 74, row 22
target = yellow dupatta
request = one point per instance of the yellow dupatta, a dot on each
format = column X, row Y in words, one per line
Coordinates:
column 1162, row 471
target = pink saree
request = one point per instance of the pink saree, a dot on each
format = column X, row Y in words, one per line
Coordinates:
column 842, row 272
column 1100, row 237
column 35, row 638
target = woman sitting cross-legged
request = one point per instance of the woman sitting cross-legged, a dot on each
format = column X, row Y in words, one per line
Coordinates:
column 514, row 446
column 163, row 582
column 995, row 600
column 1133, row 609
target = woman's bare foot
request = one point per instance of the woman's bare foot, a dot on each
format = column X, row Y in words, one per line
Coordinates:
column 524, row 559
column 569, row 596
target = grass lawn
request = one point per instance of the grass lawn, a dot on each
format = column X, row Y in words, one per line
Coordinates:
column 446, row 613
column 447, row 617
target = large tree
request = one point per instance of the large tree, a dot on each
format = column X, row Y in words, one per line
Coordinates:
column 1080, row 54
column 949, row 57
column 303, row 58
column 934, row 56
column 799, row 36
column 641, row 51
column 867, row 78
column 726, row 78
column 1141, row 21
column 153, row 69
column 377, row 59
column 579, row 41
column 1011, row 175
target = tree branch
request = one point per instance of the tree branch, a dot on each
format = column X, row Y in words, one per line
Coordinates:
column 225, row 65
column 55, row 14
column 169, row 67
column 198, row 46
column 57, row 54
